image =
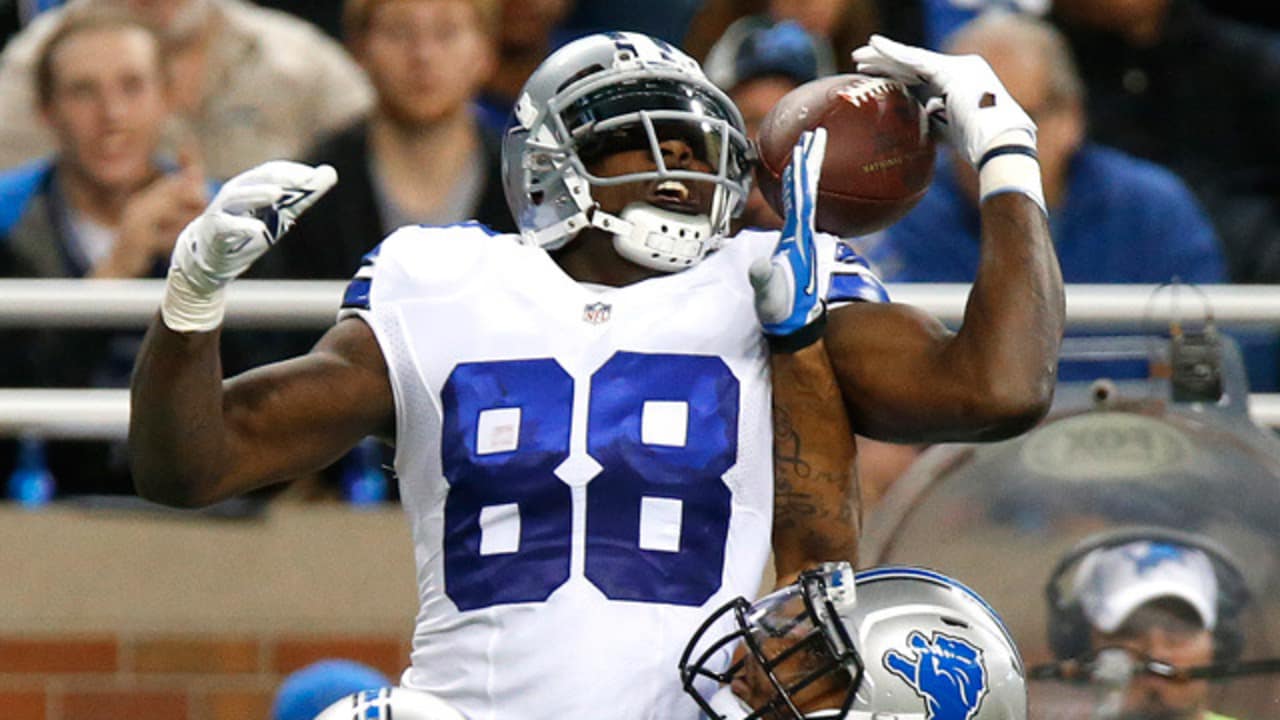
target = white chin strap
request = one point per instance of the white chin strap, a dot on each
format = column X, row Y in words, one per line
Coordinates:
column 656, row 238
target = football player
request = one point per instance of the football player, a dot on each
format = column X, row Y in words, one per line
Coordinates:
column 581, row 413
column 891, row 642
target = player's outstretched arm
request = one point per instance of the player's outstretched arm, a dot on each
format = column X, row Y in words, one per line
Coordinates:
column 817, row 508
column 195, row 440
column 903, row 375
column 192, row 441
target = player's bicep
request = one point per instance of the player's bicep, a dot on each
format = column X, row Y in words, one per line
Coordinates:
column 302, row 414
column 890, row 361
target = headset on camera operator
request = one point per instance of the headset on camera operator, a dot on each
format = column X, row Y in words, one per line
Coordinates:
column 1149, row 614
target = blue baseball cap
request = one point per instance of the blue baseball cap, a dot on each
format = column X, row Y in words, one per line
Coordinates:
column 315, row 687
column 784, row 49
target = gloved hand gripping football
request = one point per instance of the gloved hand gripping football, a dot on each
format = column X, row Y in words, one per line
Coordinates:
column 245, row 218
column 786, row 283
column 971, row 108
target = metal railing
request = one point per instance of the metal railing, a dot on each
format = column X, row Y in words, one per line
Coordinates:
column 312, row 303
column 85, row 413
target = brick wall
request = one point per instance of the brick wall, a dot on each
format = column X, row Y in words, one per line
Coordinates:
column 168, row 677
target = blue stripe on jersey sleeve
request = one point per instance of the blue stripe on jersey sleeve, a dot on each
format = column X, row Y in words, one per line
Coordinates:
column 845, row 254
column 852, row 279
column 855, row 287
column 357, row 294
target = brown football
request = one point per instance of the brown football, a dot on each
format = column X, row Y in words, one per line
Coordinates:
column 879, row 159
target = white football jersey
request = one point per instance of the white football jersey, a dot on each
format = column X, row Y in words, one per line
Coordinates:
column 587, row 471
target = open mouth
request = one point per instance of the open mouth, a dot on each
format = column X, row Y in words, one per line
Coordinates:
column 675, row 195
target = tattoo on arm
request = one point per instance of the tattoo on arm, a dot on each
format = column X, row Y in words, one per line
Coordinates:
column 787, row 454
column 814, row 511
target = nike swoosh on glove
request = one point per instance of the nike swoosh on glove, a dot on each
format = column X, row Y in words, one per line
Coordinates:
column 786, row 283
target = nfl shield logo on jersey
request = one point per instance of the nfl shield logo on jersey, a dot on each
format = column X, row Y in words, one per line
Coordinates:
column 596, row 313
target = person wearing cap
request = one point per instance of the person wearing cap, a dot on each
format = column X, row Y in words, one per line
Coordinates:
column 1160, row 602
column 768, row 62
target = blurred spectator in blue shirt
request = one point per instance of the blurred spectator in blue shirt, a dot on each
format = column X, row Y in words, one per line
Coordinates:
column 1114, row 218
column 104, row 206
column 1199, row 94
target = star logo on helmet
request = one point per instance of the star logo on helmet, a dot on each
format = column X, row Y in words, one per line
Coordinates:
column 597, row 313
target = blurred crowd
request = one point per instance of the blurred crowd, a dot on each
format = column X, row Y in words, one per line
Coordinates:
column 119, row 118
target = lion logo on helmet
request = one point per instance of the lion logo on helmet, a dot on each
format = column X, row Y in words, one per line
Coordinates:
column 946, row 671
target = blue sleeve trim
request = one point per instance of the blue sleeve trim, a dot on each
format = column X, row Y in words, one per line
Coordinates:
column 357, row 294
column 852, row 279
column 847, row 255
column 855, row 287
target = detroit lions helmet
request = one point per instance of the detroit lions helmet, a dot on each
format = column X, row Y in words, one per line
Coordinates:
column 390, row 704
column 893, row 643
column 612, row 92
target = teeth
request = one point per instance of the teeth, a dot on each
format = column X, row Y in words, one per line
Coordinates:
column 667, row 187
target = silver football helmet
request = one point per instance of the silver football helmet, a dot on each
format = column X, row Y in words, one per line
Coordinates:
column 390, row 704
column 612, row 92
column 893, row 643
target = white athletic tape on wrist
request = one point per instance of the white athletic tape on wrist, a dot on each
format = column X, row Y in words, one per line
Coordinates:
column 186, row 309
column 1011, row 172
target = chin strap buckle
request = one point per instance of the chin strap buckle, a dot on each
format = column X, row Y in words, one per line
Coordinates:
column 657, row 238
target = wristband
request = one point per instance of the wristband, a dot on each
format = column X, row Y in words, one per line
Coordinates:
column 1011, row 166
column 802, row 338
column 185, row 309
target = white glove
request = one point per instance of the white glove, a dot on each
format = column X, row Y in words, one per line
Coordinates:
column 245, row 218
column 969, row 105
